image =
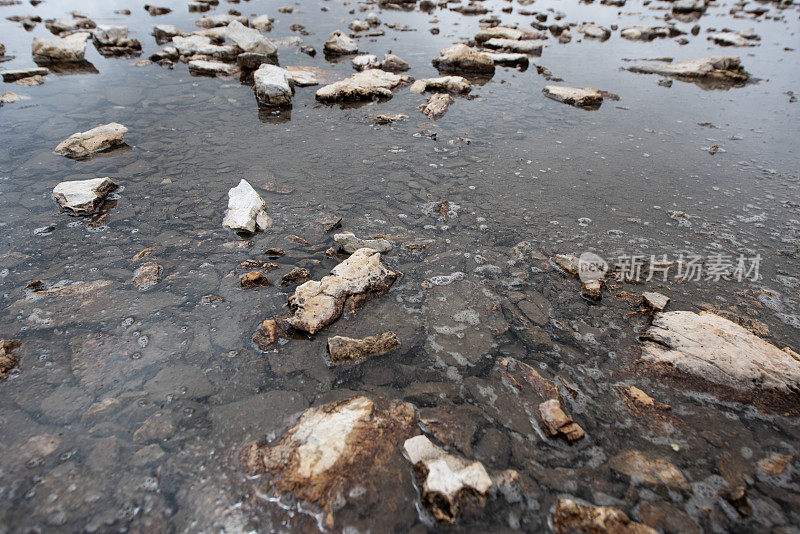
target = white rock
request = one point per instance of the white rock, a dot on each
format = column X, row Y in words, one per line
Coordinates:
column 730, row 39
column 212, row 68
column 643, row 33
column 461, row 58
column 365, row 61
column 272, row 85
column 498, row 32
column 201, row 45
column 222, row 19
column 262, row 22
column 69, row 48
column 11, row 98
column 13, row 75
column 657, row 301
column 302, row 76
column 364, row 85
column 436, row 105
column 510, row 45
column 340, row 44
column 350, row 243
column 246, row 210
column 250, row 40
column 595, row 32
column 710, row 67
column 687, row 6
column 165, row 32
column 83, row 196
column 359, row 25
column 84, row 143
column 588, row 96
column 452, row 84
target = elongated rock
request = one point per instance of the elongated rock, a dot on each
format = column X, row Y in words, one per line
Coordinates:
column 212, row 68
column 365, row 85
column 723, row 67
column 18, row 74
column 437, row 105
column 69, row 48
column 498, row 32
column 202, row 45
column 273, row 85
column 222, row 19
column 452, row 84
column 512, row 45
column 82, row 144
column 347, row 349
column 594, row 32
column 570, row 516
column 643, row 33
column 588, row 96
column 115, row 41
column 246, row 209
column 461, row 58
column 83, row 196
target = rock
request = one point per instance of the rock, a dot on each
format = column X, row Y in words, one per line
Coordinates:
column 648, row 469
column 339, row 44
column 296, row 275
column 147, row 275
column 156, row 10
column 365, row 85
column 11, row 98
column 365, row 61
column 250, row 61
column 82, row 144
column 164, row 33
column 179, row 381
column 217, row 34
column 498, row 32
column 212, row 68
column 508, row 59
column 160, row 426
column 720, row 352
column 461, row 58
column 775, row 464
column 317, row 304
column 392, row 63
column 83, row 196
column 373, row 19
column 730, row 39
column 385, row 119
column 246, row 210
column 303, row 76
column 453, row 84
column 722, row 67
column 592, row 289
column 359, row 25
column 570, row 516
column 643, row 33
column 60, row 26
column 588, row 96
column 350, row 243
column 688, row 6
column 8, row 360
column 251, row 40
column 69, row 48
column 147, row 455
column 254, row 279
column 262, row 22
column 201, row 45
column 268, row 333
column 346, row 349
column 114, row 41
column 637, row 399
column 511, row 45
column 221, row 19
column 448, row 482
column 437, row 105
column 336, row 454
column 273, row 85
column 656, row 301
column 594, row 32
column 19, row 74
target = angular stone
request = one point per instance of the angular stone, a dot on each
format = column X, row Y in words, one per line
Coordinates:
column 296, row 275
column 461, row 58
column 730, row 39
column 8, row 360
column 83, row 196
column 643, row 33
column 147, row 455
column 69, row 48
column 59, row 26
column 437, row 105
column 221, row 19
column 18, row 74
column 349, row 243
column 251, row 40
column 775, row 464
column 212, row 68
column 594, row 32
column 365, row 61
column 347, row 349
column 82, row 144
column 262, row 22
column 115, row 41
column 365, row 85
column 273, row 85
column 452, row 84
column 657, row 301
column 201, row 45
column 339, row 44
column 588, row 96
column 648, row 469
column 164, row 33
column 570, row 516
column 254, row 279
column 251, row 61
column 147, row 275
column 393, row 63
column 722, row 67
column 11, row 98
column 303, row 76
column 498, row 32
column 246, row 209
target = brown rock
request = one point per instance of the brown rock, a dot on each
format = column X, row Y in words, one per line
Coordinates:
column 648, row 469
column 253, row 279
column 346, row 349
column 775, row 464
column 147, row 275
column 570, row 516
column 297, row 274
column 7, row 359
column 667, row 518
column 268, row 333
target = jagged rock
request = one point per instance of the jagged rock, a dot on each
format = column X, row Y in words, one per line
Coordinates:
column 168, row 54
column 262, row 22
column 164, row 33
column 588, row 96
column 83, row 196
column 212, row 68
column 461, row 58
column 350, row 243
column 643, row 33
column 511, row 45
column 156, row 10
column 147, row 275
column 656, row 301
column 254, row 279
column 453, row 84
column 347, row 349
column 114, row 41
column 339, row 44
column 594, row 32
column 437, row 105
column 246, row 209
column 648, row 469
column 570, row 516
column 393, row 63
column 19, row 74
column 720, row 352
column 730, row 39
column 59, row 26
column 201, row 45
column 69, row 48
column 8, row 360
column 364, row 85
column 296, row 275
column 221, row 19
column 82, row 144
column 724, row 67
column 365, row 61
column 341, row 453
column 251, row 40
column 273, row 85
column 317, row 304
column 498, row 32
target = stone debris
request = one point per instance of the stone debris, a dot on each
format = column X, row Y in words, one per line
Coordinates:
column 437, row 105
column 8, row 360
column 147, row 275
column 114, row 41
column 365, row 85
column 202, row 46
column 203, row 67
column 82, row 144
column 461, row 58
column 387, row 119
column 594, row 32
column 246, row 210
column 722, row 353
column 164, row 33
column 59, row 26
column 315, row 304
column 221, row 19
column 347, row 349
column 648, row 469
column 273, row 85
column 83, row 196
column 510, row 45
column 71, row 48
column 656, row 301
column 571, row 516
column 254, row 279
column 733, row 39
column 349, row 243
column 721, row 67
column 251, row 40
column 339, row 44
column 13, row 75
column 452, row 84
column 586, row 97
column 643, row 33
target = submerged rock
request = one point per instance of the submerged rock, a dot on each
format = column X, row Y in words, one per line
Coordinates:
column 511, row 45
column 347, row 349
column 365, row 85
column 339, row 44
column 83, row 196
column 588, row 96
column 722, row 353
column 251, row 40
column 722, row 67
column 453, row 84
column 82, row 144
column 69, row 48
column 461, row 58
column 350, row 243
column 11, row 98
column 13, row 75
column 437, row 105
column 317, row 304
column 648, row 469
column 246, row 209
column 212, row 68
column 570, row 516
column 8, row 360
column 594, row 32
column 147, row 275
column 273, row 85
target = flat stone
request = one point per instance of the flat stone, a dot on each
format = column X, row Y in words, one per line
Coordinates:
column 461, row 58
column 393, row 63
column 115, row 41
column 730, row 39
column 164, row 33
column 221, row 19
column 594, row 32
column 83, row 196
column 570, row 516
column 303, row 76
column 656, row 301
column 365, row 85
column 202, row 45
column 212, row 68
column 69, row 48
column 498, row 32
column 251, row 40
column 722, row 67
column 365, row 61
column 256, row 416
column 18, row 74
column 273, row 85
column 452, row 84
column 254, row 279
column 648, row 469
column 65, row 404
column 339, row 44
column 252, row 61
column 588, row 96
column 643, row 33
column 347, row 349
column 59, row 26
column 511, row 45
column 82, row 144
column 246, row 209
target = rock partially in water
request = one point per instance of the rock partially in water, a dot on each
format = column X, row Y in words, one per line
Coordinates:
column 453, row 84
column 643, row 33
column 70, row 48
column 203, row 67
column 246, row 209
column 719, row 352
column 11, row 98
column 512, row 45
column 201, row 45
column 249, row 61
column 393, row 63
column 437, row 105
column 8, row 360
column 571, row 516
column 303, row 76
column 349, row 243
column 339, row 44
column 588, row 96
column 719, row 67
column 82, row 144
column 83, row 196
column 296, row 275
column 254, row 279
column 273, row 85
column 365, row 85
column 498, row 32
column 648, row 469
column 347, row 349
column 251, row 40
column 147, row 275
column 164, row 33
column 461, row 58
column 220, row 19
column 365, row 61
column 689, row 6
column 594, row 32
column 13, row 75
column 59, row 26
column 157, row 10
column 732, row 39
column 262, row 22
column 114, row 41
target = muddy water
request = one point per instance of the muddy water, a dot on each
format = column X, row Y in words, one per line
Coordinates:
column 128, row 406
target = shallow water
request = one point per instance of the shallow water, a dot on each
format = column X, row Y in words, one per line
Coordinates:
column 129, row 407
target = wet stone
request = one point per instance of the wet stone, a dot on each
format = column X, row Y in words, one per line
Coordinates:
column 346, row 349
column 295, row 276
column 461, row 58
column 571, row 516
column 349, row 243
column 648, row 469
column 588, row 96
column 8, row 360
column 69, row 48
column 83, row 196
column 82, row 144
column 365, row 85
column 184, row 381
column 147, row 275
column 254, row 279
column 340, row 44
column 437, row 105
